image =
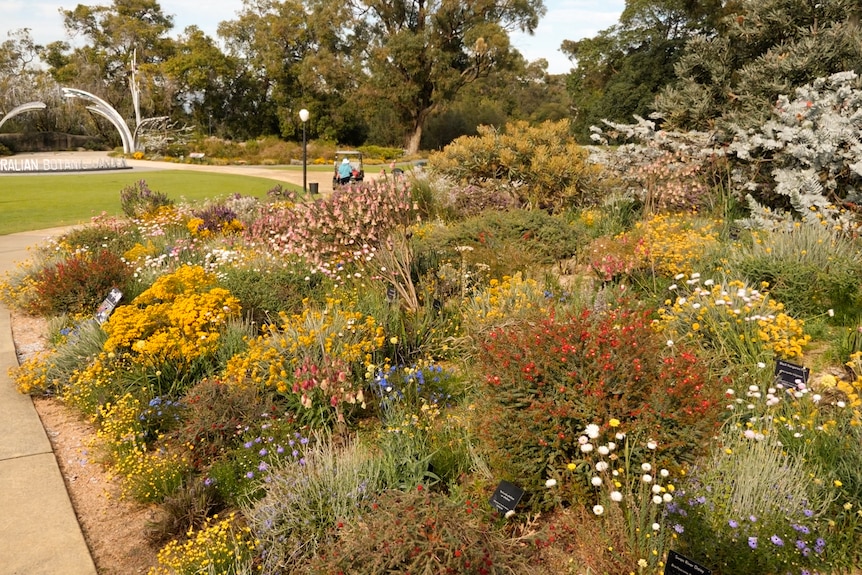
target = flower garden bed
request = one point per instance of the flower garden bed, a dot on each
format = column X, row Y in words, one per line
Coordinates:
column 340, row 385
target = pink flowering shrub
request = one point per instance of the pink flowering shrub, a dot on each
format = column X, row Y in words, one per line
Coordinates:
column 342, row 228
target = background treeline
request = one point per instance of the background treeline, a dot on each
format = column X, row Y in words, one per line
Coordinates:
column 417, row 74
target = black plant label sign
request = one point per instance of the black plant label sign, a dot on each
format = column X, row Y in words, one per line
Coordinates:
column 680, row 565
column 106, row 307
column 506, row 497
column 790, row 374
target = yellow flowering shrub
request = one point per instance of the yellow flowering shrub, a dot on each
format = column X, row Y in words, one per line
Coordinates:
column 219, row 547
column 733, row 318
column 32, row 376
column 312, row 356
column 91, row 387
column 674, row 243
column 178, row 319
column 147, row 475
column 513, row 296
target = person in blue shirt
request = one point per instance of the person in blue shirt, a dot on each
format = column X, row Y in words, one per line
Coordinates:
column 344, row 171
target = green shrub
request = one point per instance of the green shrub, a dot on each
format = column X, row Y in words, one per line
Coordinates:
column 421, row 531
column 748, row 509
column 504, row 242
column 542, row 165
column 381, row 152
column 545, row 381
column 305, row 500
column 117, row 236
column 808, row 268
column 266, row 290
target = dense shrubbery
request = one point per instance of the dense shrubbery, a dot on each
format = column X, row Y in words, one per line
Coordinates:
column 542, row 166
column 546, row 381
column 395, row 339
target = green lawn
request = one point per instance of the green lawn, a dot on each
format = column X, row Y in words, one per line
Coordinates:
column 38, row 202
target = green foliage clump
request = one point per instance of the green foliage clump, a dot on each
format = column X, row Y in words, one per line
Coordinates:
column 266, row 290
column 506, row 241
column 305, row 500
column 544, row 382
column 541, row 166
column 746, row 510
column 807, row 267
column 421, row 531
column 381, row 152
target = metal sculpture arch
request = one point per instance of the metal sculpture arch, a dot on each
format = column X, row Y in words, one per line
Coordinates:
column 105, row 110
column 23, row 108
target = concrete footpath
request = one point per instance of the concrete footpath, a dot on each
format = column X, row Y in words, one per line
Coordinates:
column 39, row 532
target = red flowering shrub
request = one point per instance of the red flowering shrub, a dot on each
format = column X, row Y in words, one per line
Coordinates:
column 78, row 284
column 545, row 382
column 420, row 531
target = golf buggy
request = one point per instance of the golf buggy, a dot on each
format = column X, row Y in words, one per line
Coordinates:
column 343, row 159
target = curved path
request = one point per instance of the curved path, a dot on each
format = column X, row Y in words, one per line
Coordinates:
column 39, row 532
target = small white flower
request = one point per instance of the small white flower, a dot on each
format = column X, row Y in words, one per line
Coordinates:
column 602, row 466
column 671, row 287
column 596, row 481
column 510, row 513
column 646, row 466
column 620, row 436
column 695, row 275
column 587, row 447
column 651, row 444
column 753, row 388
column 831, row 312
column 816, row 398
column 656, row 488
column 647, row 478
column 678, row 277
column 550, row 483
column 670, row 343
column 592, row 431
column 729, row 391
column 667, row 497
column 611, row 445
column 598, row 509
column 603, row 450
column 664, row 472
column 616, row 496
column 583, row 439
column 656, row 499
column 841, row 404
column 709, row 282
column 656, row 526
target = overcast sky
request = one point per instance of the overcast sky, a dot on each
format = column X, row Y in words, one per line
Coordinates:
column 565, row 20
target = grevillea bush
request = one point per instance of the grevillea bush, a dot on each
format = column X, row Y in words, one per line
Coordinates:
column 420, row 531
column 545, row 381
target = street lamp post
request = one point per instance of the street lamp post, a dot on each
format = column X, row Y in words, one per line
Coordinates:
column 303, row 115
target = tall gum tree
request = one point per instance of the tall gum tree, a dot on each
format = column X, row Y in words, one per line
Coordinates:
column 415, row 55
